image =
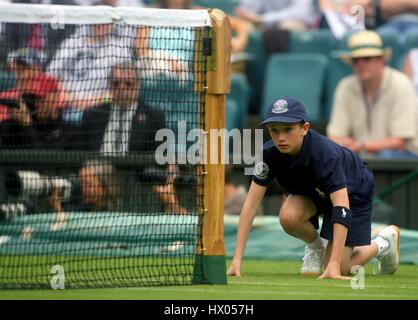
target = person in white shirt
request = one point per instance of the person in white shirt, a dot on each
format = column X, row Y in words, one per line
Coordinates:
column 84, row 60
column 287, row 14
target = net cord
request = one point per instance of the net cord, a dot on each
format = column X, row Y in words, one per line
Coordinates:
column 58, row 14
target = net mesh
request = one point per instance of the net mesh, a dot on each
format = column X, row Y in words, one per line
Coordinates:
column 85, row 202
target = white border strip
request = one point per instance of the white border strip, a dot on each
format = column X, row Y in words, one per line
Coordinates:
column 59, row 15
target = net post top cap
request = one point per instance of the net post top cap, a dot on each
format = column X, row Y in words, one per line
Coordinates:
column 30, row 56
column 363, row 44
column 285, row 110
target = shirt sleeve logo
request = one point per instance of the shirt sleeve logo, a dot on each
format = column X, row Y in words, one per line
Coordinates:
column 280, row 106
column 261, row 170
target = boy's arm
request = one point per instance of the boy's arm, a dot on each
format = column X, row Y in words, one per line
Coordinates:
column 341, row 203
column 248, row 212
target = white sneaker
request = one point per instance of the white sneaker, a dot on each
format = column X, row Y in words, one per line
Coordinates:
column 312, row 262
column 388, row 260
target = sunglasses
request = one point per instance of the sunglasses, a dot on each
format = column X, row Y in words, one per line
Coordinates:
column 128, row 83
column 21, row 63
column 366, row 59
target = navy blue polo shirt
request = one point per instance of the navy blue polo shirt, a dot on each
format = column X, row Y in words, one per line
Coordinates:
column 321, row 168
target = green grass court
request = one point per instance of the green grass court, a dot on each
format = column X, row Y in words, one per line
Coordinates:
column 262, row 280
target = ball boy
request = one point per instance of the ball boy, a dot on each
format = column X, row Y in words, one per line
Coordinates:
column 320, row 177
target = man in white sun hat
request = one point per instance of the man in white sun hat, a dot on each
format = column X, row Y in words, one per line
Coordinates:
column 374, row 110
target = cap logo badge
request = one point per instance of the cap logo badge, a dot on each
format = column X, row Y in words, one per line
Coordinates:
column 280, row 106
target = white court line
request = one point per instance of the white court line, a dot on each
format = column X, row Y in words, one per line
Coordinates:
column 316, row 285
column 284, row 293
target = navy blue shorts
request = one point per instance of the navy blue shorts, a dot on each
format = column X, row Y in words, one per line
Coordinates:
column 361, row 205
column 360, row 231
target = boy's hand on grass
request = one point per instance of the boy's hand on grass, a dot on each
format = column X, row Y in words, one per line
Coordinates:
column 333, row 272
column 234, row 268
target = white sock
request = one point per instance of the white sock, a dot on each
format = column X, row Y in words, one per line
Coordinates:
column 382, row 244
column 316, row 244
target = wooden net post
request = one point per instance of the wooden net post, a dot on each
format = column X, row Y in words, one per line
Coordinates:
column 218, row 82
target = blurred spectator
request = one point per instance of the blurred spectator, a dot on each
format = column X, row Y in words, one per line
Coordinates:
column 97, row 187
column 84, row 60
column 43, row 36
column 3, row 114
column 112, row 3
column 34, row 106
column 286, row 14
column 400, row 16
column 124, row 124
column 57, row 2
column 240, row 27
column 374, row 110
column 177, row 60
column 100, row 189
column 100, row 186
column 172, row 63
column 168, row 194
column 235, row 195
column 411, row 67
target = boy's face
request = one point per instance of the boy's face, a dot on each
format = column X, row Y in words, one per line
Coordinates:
column 288, row 137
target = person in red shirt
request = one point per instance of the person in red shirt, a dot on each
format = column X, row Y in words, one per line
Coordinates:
column 34, row 106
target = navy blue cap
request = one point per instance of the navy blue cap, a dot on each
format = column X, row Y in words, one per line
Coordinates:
column 286, row 110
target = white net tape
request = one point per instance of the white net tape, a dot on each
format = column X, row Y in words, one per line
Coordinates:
column 59, row 15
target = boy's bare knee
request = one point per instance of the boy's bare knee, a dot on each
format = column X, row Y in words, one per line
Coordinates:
column 289, row 222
